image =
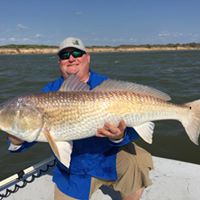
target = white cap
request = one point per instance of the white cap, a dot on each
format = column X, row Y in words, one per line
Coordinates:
column 71, row 42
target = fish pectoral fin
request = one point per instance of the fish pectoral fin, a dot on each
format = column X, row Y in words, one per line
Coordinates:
column 145, row 131
column 65, row 150
column 52, row 143
column 61, row 149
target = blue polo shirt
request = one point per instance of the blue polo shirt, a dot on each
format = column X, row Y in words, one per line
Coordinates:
column 91, row 157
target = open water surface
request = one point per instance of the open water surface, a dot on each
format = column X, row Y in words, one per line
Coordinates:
column 174, row 72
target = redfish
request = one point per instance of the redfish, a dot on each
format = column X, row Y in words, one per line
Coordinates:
column 68, row 115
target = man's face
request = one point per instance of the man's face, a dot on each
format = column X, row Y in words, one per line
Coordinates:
column 71, row 64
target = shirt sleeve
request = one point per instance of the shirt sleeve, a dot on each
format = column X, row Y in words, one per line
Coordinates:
column 13, row 147
column 46, row 88
column 53, row 86
column 19, row 148
column 129, row 135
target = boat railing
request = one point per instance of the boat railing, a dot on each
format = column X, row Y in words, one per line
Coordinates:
column 19, row 180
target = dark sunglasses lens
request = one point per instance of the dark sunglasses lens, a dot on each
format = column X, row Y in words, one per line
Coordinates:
column 64, row 55
column 77, row 54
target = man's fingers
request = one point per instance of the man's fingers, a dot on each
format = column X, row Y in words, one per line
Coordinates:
column 122, row 125
column 111, row 128
column 111, row 131
column 116, row 130
column 102, row 132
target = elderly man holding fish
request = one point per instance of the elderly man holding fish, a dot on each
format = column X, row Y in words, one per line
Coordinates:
column 109, row 158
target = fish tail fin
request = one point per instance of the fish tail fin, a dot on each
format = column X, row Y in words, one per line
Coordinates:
column 192, row 121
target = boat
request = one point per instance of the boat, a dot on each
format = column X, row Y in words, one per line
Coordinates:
column 171, row 179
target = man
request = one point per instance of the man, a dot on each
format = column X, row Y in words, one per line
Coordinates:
column 110, row 158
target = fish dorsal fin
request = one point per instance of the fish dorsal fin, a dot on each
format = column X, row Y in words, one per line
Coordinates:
column 72, row 83
column 115, row 85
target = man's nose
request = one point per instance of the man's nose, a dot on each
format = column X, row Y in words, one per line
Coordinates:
column 71, row 58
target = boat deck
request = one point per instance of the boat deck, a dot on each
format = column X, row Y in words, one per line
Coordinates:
column 171, row 180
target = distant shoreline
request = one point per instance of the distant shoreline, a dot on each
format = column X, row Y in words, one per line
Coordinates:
column 53, row 50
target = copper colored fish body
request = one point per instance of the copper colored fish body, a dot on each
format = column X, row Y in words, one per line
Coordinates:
column 75, row 113
column 78, row 114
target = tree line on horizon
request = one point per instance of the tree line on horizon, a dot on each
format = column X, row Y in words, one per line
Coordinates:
column 21, row 46
column 192, row 44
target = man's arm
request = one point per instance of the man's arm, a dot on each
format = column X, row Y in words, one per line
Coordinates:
column 14, row 140
column 18, row 145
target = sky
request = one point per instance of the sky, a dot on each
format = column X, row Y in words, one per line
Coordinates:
column 99, row 22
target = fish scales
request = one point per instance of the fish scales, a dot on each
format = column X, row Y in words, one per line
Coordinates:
column 79, row 112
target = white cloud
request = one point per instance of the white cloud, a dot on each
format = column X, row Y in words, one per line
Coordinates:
column 163, row 34
column 194, row 35
column 12, row 39
column 25, row 39
column 21, row 27
column 168, row 34
column 133, row 39
column 19, row 40
column 78, row 13
column 37, row 35
column 2, row 39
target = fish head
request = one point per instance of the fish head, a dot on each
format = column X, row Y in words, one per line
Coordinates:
column 21, row 119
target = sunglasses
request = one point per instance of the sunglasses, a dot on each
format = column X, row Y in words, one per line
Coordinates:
column 76, row 54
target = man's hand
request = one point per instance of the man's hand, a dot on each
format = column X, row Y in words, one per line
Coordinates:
column 111, row 131
column 14, row 140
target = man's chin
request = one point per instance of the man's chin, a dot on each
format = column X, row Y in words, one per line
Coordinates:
column 72, row 72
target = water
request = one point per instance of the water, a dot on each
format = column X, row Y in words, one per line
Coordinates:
column 176, row 73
